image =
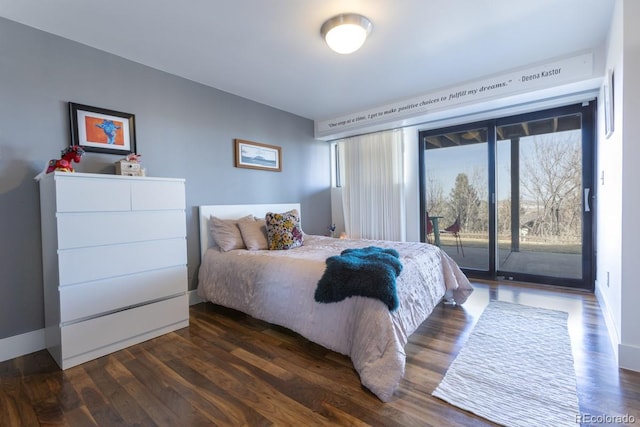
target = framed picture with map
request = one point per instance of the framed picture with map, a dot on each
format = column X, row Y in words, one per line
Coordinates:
column 101, row 130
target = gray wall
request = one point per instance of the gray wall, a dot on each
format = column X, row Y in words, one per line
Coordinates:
column 183, row 129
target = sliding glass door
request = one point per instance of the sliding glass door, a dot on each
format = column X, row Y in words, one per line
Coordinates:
column 457, row 179
column 519, row 193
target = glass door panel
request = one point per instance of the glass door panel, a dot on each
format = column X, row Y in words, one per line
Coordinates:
column 539, row 197
column 522, row 188
column 455, row 195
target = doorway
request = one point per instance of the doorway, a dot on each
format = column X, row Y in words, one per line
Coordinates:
column 513, row 197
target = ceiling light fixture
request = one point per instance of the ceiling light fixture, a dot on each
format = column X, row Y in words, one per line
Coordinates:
column 346, row 33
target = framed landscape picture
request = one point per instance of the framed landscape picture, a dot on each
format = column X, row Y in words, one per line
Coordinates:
column 255, row 155
column 101, row 130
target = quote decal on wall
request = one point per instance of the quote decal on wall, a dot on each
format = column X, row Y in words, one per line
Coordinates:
column 520, row 81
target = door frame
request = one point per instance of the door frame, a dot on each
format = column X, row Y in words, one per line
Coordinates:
column 588, row 128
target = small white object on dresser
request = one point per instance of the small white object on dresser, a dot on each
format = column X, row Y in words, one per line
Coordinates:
column 114, row 262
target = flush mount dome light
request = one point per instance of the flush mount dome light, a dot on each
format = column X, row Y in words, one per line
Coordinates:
column 346, row 33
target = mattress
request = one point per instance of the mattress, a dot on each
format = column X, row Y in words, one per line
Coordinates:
column 278, row 287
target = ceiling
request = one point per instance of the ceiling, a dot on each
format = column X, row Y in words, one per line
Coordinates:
column 505, row 132
column 270, row 51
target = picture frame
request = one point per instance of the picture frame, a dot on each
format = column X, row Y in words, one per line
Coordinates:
column 609, row 104
column 256, row 155
column 101, row 130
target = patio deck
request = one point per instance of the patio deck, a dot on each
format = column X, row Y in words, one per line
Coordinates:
column 554, row 264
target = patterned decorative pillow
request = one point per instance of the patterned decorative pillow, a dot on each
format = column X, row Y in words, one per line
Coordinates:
column 283, row 230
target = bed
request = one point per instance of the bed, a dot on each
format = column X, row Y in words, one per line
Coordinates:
column 278, row 286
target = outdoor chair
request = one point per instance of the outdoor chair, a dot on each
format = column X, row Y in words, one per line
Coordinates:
column 455, row 230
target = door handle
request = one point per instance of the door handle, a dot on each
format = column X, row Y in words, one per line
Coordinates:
column 587, row 204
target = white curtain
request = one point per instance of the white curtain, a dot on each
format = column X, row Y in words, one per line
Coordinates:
column 372, row 179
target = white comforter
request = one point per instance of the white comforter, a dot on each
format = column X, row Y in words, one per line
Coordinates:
column 278, row 287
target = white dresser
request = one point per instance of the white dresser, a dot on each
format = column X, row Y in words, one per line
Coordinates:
column 114, row 262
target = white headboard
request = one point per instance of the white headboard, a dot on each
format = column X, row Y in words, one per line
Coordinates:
column 233, row 212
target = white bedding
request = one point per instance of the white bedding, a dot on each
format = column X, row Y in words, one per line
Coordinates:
column 278, row 287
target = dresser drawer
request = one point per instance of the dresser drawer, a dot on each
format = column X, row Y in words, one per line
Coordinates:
column 102, row 296
column 112, row 332
column 77, row 230
column 102, row 262
column 157, row 195
column 78, row 194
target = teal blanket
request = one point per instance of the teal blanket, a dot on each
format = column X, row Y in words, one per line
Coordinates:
column 367, row 272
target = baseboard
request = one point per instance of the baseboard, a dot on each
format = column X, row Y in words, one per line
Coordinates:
column 19, row 345
column 614, row 338
column 629, row 357
column 194, row 298
column 626, row 356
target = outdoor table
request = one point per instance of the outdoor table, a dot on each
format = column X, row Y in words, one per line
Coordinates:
column 436, row 229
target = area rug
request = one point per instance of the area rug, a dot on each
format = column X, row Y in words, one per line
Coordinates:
column 516, row 369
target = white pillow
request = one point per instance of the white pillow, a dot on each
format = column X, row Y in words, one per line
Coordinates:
column 226, row 234
column 254, row 234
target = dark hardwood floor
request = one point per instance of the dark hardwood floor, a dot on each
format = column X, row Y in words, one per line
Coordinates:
column 229, row 369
